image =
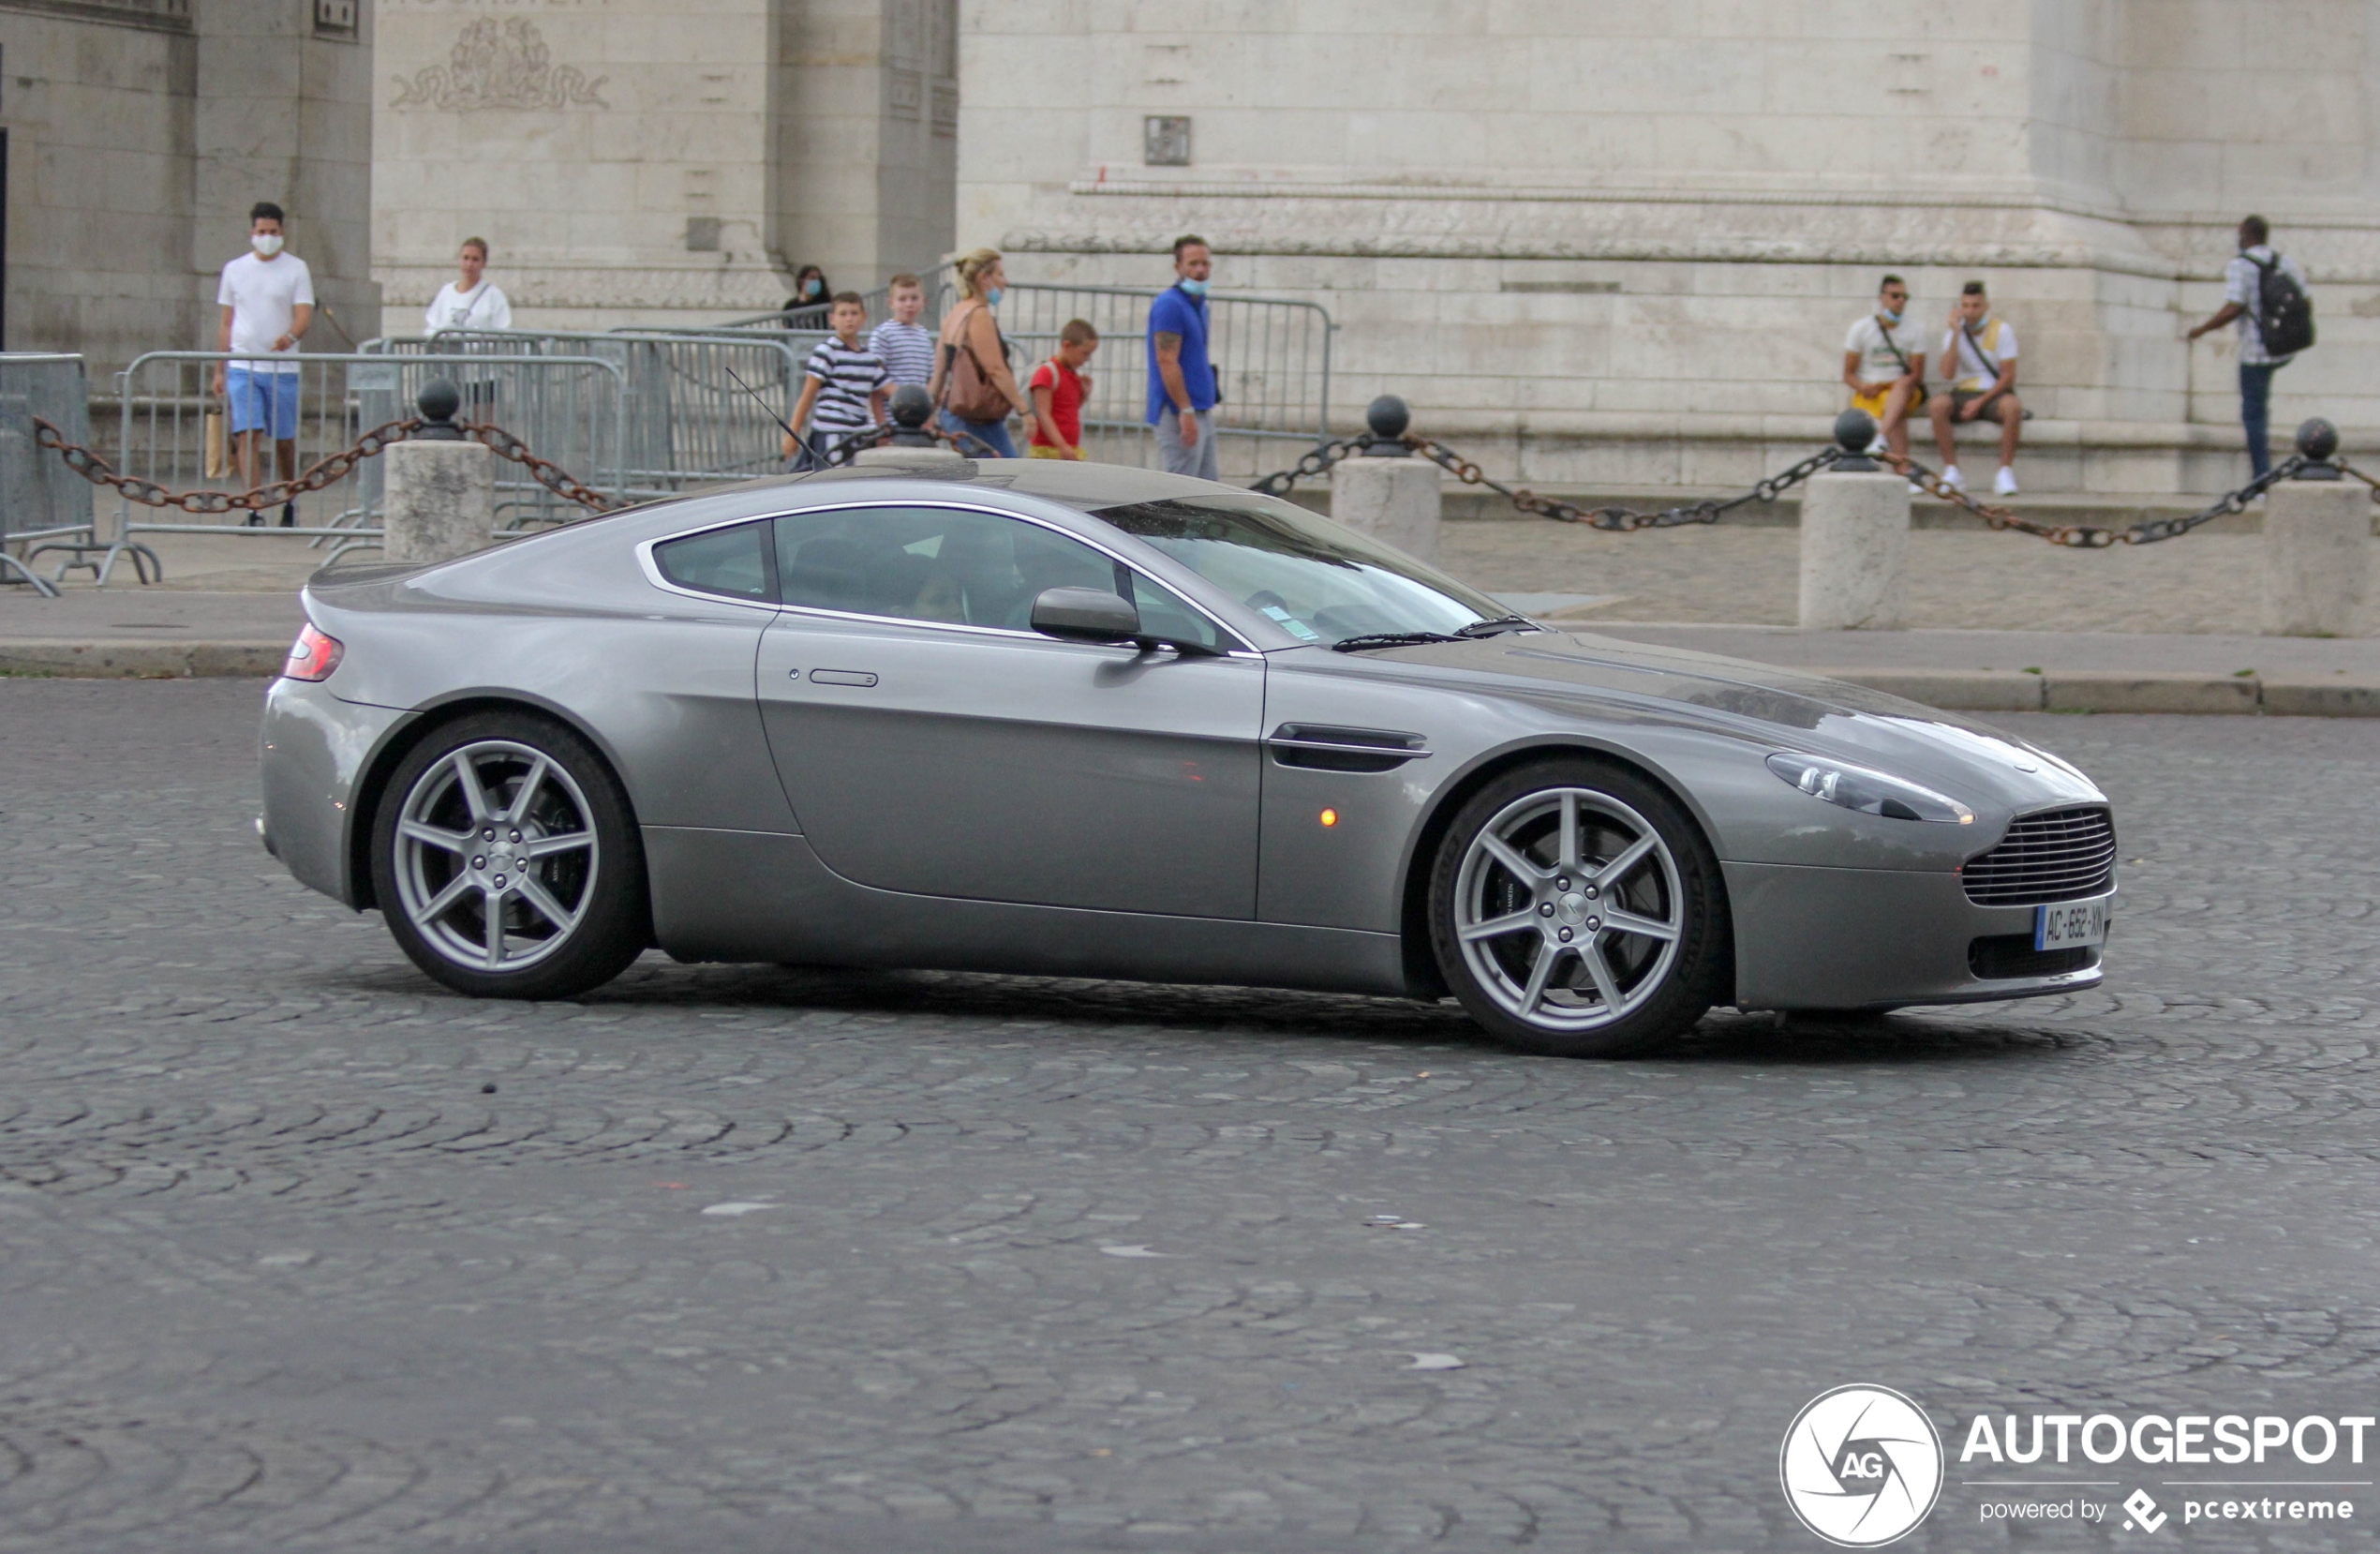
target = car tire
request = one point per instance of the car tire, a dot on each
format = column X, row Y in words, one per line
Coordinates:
column 524, row 881
column 1577, row 911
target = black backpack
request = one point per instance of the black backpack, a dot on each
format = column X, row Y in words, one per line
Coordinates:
column 2285, row 314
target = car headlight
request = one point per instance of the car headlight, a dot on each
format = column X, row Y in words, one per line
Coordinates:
column 1855, row 787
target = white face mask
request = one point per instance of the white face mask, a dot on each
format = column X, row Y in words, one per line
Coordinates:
column 267, row 243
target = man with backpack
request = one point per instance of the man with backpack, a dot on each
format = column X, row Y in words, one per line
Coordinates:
column 2266, row 292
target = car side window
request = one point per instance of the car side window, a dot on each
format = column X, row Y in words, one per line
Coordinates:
column 730, row 561
column 1164, row 614
column 929, row 563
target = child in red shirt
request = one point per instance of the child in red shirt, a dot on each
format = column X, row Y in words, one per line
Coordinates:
column 1058, row 388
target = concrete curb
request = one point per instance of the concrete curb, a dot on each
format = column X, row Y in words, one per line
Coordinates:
column 113, row 660
column 2112, row 691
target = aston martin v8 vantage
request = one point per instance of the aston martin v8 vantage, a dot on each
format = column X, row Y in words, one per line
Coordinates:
column 1080, row 720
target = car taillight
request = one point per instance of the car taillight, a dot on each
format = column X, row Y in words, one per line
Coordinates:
column 313, row 655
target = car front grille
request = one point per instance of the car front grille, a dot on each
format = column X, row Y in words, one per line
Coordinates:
column 2063, row 855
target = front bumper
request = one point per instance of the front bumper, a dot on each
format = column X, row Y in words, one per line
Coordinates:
column 1869, row 938
column 316, row 749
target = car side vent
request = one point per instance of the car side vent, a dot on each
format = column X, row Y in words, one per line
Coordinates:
column 2062, row 855
column 1326, row 747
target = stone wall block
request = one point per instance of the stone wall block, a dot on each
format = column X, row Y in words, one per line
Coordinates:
column 1854, row 552
column 1393, row 499
column 440, row 502
column 2318, row 559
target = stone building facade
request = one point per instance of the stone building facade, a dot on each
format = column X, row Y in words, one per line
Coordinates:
column 1620, row 241
column 651, row 161
column 139, row 132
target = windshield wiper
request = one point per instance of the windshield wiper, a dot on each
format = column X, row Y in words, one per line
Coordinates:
column 1499, row 626
column 1390, row 639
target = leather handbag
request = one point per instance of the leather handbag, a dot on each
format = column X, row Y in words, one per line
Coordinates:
column 968, row 392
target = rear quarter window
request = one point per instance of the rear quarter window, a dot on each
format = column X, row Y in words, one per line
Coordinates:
column 734, row 562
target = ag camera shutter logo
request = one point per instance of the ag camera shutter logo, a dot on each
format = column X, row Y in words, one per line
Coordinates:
column 1862, row 1466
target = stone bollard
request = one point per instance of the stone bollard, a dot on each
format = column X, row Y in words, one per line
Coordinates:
column 1854, row 539
column 2317, row 546
column 439, row 500
column 1385, row 491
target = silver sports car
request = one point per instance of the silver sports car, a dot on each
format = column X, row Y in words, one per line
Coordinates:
column 1078, row 720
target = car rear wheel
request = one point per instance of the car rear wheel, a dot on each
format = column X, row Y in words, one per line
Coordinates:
column 1577, row 911
column 505, row 861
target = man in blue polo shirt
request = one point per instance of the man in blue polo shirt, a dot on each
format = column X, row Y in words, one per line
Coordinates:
column 1181, row 387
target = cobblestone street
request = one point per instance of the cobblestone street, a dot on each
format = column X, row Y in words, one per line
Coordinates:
column 303, row 1252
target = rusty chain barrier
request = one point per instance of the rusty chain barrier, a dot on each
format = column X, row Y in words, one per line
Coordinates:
column 2083, row 536
column 1621, row 520
column 2317, row 442
column 324, row 473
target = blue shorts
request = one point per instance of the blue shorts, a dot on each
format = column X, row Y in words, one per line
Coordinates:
column 263, row 401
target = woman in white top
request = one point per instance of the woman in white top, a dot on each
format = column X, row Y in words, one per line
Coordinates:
column 475, row 301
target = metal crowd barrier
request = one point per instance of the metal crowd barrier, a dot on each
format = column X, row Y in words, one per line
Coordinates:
column 572, row 410
column 687, row 420
column 44, row 504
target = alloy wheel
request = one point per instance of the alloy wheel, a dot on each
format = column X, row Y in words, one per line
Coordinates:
column 495, row 856
column 1568, row 909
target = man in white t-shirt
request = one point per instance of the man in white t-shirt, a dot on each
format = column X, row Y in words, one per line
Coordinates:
column 1885, row 375
column 267, row 298
column 2243, row 295
column 1979, row 356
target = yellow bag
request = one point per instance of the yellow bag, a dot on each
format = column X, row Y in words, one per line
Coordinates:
column 218, row 463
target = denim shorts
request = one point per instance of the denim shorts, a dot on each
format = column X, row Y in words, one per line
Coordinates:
column 263, row 401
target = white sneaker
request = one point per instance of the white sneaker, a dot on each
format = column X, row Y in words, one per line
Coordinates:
column 2004, row 483
column 1917, row 490
column 1952, row 478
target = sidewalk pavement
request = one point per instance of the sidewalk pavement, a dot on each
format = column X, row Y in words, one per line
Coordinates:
column 1990, row 671
column 150, row 633
column 137, row 633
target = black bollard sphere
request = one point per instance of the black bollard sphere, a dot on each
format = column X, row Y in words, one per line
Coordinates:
column 1854, row 429
column 438, row 402
column 912, row 408
column 2318, row 439
column 1387, row 416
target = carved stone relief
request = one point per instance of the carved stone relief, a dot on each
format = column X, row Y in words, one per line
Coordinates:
column 499, row 64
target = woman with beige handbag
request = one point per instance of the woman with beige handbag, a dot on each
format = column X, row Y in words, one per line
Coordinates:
column 973, row 386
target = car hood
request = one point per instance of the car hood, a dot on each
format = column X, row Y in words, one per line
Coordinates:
column 1788, row 710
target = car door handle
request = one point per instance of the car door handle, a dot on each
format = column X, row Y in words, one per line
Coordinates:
column 840, row 676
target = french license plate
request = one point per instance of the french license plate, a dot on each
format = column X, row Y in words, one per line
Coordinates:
column 2071, row 924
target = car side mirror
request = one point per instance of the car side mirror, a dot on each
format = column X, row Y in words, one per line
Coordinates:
column 1085, row 615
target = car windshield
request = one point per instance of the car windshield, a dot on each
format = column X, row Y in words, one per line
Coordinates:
column 1320, row 581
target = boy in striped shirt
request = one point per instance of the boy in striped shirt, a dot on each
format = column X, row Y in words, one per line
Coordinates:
column 906, row 344
column 844, row 386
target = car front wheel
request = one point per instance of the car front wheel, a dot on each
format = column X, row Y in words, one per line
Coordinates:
column 505, row 861
column 1577, row 911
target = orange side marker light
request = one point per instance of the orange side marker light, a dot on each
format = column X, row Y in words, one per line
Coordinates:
column 1330, row 817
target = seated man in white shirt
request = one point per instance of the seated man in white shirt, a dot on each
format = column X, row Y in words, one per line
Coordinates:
column 1980, row 351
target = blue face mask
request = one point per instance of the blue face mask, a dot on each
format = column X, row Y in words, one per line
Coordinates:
column 993, row 296
column 1891, row 317
column 1196, row 287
